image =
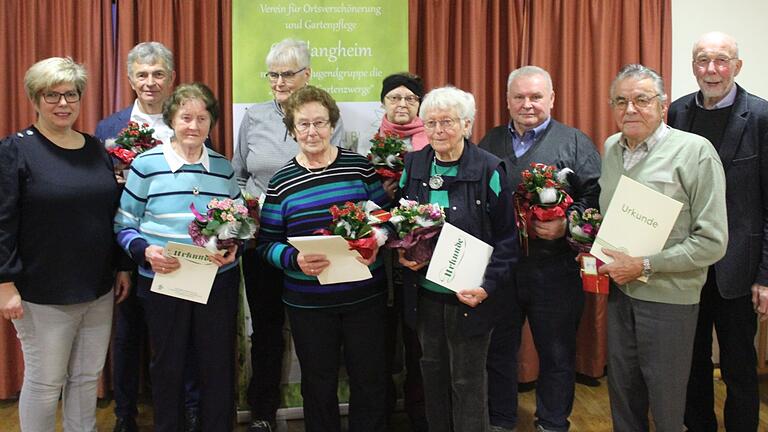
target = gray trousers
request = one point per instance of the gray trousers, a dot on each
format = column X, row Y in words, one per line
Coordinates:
column 453, row 370
column 649, row 358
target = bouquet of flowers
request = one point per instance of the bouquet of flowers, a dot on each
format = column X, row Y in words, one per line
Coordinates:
column 354, row 223
column 582, row 231
column 386, row 154
column 226, row 222
column 418, row 226
column 541, row 196
column 131, row 141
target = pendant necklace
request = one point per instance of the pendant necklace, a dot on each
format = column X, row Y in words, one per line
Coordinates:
column 436, row 179
column 310, row 169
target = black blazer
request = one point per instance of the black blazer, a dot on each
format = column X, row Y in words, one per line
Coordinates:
column 744, row 153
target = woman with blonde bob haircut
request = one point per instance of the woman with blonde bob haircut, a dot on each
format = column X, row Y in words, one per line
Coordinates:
column 56, row 285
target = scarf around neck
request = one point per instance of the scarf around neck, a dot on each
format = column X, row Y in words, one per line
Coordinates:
column 414, row 130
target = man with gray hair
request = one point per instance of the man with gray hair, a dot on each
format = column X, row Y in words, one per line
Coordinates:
column 736, row 123
column 651, row 325
column 548, row 287
column 151, row 74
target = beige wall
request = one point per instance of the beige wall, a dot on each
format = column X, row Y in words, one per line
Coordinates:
column 746, row 20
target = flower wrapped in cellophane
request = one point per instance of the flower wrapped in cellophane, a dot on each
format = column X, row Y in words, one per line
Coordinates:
column 356, row 224
column 418, row 227
column 225, row 223
column 582, row 230
column 387, row 154
column 540, row 195
column 131, row 141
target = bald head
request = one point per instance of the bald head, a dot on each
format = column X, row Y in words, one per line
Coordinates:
column 716, row 38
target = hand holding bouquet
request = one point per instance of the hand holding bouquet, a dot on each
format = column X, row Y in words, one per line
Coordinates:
column 352, row 222
column 226, row 222
column 582, row 229
column 386, row 154
column 418, row 226
column 131, row 141
column 541, row 196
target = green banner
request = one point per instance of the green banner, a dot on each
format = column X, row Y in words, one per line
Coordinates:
column 354, row 44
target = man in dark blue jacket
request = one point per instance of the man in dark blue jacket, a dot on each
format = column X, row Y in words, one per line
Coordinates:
column 736, row 123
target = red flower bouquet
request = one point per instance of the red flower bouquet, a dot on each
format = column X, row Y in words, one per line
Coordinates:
column 418, row 227
column 581, row 235
column 386, row 154
column 352, row 222
column 131, row 141
column 541, row 196
column 226, row 222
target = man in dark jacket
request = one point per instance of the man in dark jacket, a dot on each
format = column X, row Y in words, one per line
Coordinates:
column 548, row 287
column 736, row 123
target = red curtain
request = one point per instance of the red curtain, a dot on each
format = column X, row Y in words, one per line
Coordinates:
column 582, row 43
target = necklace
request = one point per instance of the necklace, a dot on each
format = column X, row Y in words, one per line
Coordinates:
column 314, row 170
column 436, row 179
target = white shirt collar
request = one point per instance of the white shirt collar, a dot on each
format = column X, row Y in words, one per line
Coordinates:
column 155, row 121
column 175, row 162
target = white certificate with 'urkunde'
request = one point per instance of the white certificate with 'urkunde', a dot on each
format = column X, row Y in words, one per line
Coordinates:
column 459, row 259
column 193, row 280
column 638, row 221
column 344, row 265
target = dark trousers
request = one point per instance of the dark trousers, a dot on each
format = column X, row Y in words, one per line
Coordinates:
column 130, row 332
column 452, row 368
column 174, row 324
column 735, row 322
column 319, row 335
column 264, row 290
column 549, row 295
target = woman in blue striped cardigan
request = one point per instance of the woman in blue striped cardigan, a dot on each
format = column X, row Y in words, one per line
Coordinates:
column 325, row 318
column 154, row 209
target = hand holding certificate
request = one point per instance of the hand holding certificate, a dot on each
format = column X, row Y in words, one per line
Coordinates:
column 343, row 263
column 193, row 279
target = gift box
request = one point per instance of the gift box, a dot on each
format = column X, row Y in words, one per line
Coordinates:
column 591, row 280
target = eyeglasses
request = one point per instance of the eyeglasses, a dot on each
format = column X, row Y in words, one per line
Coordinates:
column 318, row 124
column 720, row 62
column 53, row 97
column 410, row 99
column 445, row 123
column 286, row 76
column 621, row 103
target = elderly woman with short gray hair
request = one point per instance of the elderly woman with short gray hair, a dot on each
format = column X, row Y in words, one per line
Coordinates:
column 454, row 327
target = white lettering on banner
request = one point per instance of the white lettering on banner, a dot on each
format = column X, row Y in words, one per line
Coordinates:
column 333, row 53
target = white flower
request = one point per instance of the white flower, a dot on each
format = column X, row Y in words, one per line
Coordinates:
column 562, row 175
column 391, row 160
column 576, row 231
column 548, row 195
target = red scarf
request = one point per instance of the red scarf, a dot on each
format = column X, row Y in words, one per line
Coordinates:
column 414, row 129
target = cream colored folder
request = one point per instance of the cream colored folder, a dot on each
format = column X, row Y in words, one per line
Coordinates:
column 193, row 280
column 459, row 259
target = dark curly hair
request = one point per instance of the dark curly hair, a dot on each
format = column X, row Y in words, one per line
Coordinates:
column 305, row 95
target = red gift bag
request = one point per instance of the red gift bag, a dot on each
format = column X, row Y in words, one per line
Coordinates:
column 591, row 280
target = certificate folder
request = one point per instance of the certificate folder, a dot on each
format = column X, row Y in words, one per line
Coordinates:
column 193, row 280
column 459, row 259
column 638, row 221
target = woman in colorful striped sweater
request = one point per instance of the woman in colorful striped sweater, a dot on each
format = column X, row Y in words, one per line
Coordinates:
column 325, row 318
column 154, row 209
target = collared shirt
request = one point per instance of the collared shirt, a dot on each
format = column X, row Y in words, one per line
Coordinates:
column 522, row 144
column 727, row 101
column 175, row 162
column 163, row 132
column 632, row 157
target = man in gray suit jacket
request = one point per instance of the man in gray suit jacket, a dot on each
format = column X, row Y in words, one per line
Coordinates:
column 736, row 123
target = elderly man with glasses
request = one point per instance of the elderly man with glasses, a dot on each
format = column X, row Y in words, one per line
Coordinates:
column 651, row 325
column 736, row 123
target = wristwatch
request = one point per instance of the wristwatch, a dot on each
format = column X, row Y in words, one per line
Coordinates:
column 647, row 272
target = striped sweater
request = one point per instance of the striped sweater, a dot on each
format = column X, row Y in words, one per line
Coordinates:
column 296, row 204
column 154, row 207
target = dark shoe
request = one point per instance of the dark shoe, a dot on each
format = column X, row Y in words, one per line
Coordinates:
column 587, row 380
column 125, row 424
column 259, row 426
column 191, row 421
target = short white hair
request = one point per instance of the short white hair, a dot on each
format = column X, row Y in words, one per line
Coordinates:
column 529, row 71
column 289, row 51
column 450, row 98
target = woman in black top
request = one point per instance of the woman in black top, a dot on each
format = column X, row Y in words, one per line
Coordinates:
column 56, row 250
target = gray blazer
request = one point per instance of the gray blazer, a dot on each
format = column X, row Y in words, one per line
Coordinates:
column 744, row 153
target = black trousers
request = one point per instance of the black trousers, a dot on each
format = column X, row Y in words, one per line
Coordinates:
column 264, row 289
column 735, row 323
column 174, row 324
column 320, row 335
